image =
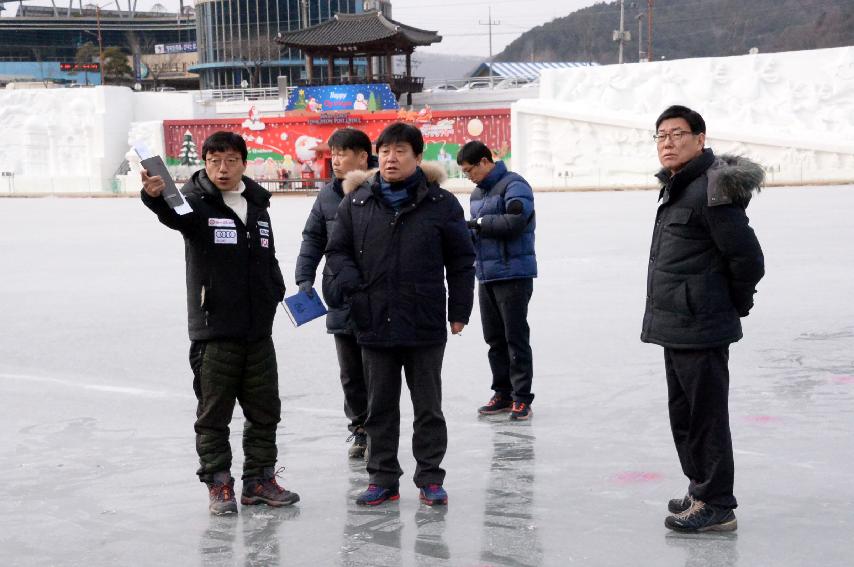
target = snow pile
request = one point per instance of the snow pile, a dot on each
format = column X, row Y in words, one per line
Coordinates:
column 591, row 126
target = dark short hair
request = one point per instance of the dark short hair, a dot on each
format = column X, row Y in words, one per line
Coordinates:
column 473, row 152
column 692, row 117
column 402, row 133
column 350, row 139
column 223, row 141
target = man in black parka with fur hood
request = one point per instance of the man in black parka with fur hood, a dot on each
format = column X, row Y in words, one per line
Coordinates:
column 704, row 264
column 397, row 239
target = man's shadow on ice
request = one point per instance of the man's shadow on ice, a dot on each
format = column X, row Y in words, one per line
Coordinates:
column 706, row 550
column 260, row 528
column 372, row 534
column 509, row 526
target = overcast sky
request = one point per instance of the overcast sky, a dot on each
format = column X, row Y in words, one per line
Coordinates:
column 457, row 21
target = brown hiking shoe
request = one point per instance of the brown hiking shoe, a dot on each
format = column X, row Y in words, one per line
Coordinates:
column 221, row 493
column 265, row 490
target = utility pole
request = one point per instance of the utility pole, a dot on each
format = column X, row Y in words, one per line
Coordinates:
column 649, row 6
column 641, row 54
column 490, row 23
column 100, row 44
column 621, row 36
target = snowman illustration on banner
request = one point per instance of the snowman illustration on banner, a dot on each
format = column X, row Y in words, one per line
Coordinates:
column 360, row 103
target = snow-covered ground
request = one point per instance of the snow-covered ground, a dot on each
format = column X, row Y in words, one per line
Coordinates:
column 97, row 453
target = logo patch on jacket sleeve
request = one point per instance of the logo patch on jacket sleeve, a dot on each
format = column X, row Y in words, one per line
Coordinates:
column 265, row 224
column 265, row 243
column 223, row 236
column 221, row 222
column 264, row 232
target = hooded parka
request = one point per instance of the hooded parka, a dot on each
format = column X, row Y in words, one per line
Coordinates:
column 705, row 259
column 391, row 266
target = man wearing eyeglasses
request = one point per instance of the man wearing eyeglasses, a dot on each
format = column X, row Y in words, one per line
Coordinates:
column 704, row 264
column 502, row 224
column 234, row 285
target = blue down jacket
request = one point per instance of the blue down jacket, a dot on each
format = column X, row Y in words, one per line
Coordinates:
column 504, row 244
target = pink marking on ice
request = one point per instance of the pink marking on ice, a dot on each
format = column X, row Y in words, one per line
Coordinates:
column 633, row 477
column 844, row 379
column 761, row 419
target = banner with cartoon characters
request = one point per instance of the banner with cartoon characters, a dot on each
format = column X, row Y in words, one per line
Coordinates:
column 287, row 146
column 355, row 98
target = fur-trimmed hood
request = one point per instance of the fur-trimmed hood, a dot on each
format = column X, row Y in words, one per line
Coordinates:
column 734, row 179
column 731, row 178
column 435, row 175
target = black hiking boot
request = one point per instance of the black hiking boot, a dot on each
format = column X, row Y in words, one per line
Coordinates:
column 360, row 443
column 679, row 505
column 498, row 403
column 265, row 490
column 702, row 517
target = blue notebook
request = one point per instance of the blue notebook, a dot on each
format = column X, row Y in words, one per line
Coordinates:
column 301, row 308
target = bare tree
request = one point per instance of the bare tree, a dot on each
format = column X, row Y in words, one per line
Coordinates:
column 253, row 52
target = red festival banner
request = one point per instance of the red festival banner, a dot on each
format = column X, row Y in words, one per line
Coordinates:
column 288, row 142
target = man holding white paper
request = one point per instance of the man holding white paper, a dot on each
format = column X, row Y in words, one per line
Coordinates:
column 234, row 285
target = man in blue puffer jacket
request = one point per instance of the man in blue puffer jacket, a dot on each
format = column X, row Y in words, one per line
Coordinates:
column 503, row 224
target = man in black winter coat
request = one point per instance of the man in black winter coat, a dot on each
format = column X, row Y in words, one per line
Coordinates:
column 233, row 288
column 704, row 264
column 397, row 239
column 351, row 151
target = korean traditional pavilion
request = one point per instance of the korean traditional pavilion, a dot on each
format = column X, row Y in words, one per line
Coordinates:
column 368, row 35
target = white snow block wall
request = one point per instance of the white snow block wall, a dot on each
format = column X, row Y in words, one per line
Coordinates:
column 592, row 126
column 62, row 140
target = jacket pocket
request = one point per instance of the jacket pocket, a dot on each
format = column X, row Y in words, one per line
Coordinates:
column 360, row 310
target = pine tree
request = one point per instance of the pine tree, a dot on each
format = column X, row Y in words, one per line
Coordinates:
column 372, row 103
column 300, row 103
column 188, row 155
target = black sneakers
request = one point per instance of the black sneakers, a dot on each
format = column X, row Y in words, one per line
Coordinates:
column 679, row 505
column 497, row 404
column 221, row 494
column 265, row 490
column 360, row 443
column 702, row 517
column 521, row 411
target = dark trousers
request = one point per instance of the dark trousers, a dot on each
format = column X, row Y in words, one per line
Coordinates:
column 698, row 392
column 352, row 380
column 504, row 318
column 225, row 372
column 423, row 369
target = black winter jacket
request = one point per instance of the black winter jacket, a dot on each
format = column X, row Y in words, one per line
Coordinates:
column 391, row 267
column 315, row 235
column 705, row 260
column 234, row 283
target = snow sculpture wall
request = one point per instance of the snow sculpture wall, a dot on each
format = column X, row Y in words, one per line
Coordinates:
column 62, row 140
column 592, row 126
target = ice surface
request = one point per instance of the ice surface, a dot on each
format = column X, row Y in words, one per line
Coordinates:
column 97, row 453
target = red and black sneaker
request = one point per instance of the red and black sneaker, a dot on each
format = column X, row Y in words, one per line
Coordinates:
column 376, row 494
column 499, row 403
column 221, row 493
column 521, row 411
column 265, row 490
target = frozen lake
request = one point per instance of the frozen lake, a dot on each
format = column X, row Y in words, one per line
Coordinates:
column 97, row 449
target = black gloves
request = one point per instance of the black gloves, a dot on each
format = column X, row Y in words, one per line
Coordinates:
column 306, row 287
column 472, row 224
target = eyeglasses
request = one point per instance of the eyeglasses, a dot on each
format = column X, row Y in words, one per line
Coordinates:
column 230, row 162
column 675, row 136
column 467, row 170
